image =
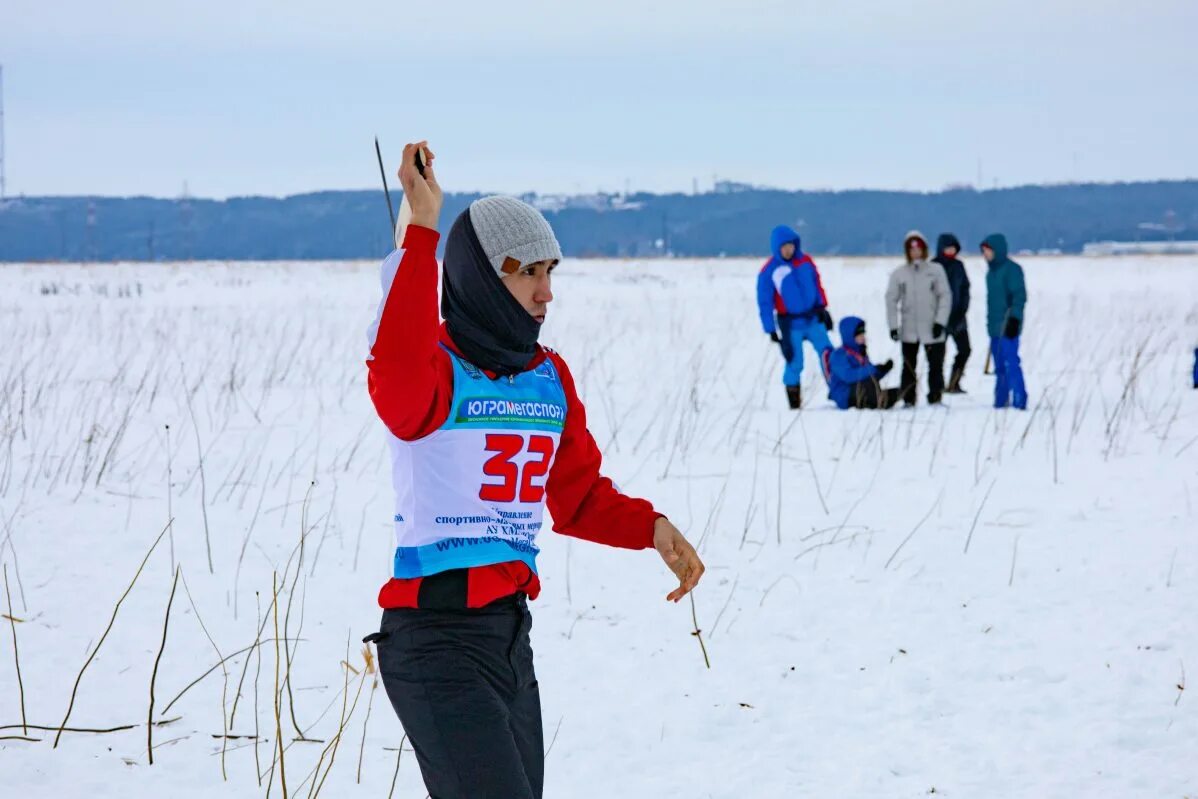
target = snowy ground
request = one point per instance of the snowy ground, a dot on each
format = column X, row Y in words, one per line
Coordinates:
column 954, row 600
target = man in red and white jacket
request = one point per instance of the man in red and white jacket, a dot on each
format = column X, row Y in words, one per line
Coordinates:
column 485, row 428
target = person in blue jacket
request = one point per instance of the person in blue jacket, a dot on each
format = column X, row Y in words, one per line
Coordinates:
column 793, row 306
column 1006, row 296
column 853, row 381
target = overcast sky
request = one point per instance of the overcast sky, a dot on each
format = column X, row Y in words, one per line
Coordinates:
column 241, row 97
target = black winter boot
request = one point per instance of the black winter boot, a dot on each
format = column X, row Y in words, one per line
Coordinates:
column 954, row 385
column 794, row 396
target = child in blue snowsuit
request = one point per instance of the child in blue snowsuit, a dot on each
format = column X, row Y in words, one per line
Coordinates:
column 1006, row 296
column 854, row 382
column 793, row 306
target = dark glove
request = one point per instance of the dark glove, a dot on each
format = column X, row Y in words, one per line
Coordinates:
column 937, row 330
column 826, row 318
column 1012, row 328
column 884, row 369
column 774, row 337
column 894, row 335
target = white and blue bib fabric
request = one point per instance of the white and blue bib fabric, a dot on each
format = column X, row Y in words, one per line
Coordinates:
column 472, row 492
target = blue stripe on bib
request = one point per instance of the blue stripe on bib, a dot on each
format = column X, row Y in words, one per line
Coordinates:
column 461, row 553
column 532, row 400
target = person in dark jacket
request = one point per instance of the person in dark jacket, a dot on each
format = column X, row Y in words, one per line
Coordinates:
column 853, row 381
column 947, row 247
column 1006, row 296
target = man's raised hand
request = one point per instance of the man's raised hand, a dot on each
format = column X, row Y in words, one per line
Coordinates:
column 421, row 191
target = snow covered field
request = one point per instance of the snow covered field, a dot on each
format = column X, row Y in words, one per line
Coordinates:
column 954, row 601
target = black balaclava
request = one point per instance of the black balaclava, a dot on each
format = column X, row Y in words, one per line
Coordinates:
column 492, row 330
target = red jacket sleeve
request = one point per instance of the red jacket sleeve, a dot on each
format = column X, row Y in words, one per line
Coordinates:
column 584, row 503
column 409, row 376
column 819, row 285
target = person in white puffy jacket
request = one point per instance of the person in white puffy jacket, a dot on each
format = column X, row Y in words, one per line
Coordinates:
column 918, row 302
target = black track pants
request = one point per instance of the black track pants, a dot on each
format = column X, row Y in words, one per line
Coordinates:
column 935, row 353
column 463, row 685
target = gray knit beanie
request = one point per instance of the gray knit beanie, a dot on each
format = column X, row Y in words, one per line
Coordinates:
column 513, row 233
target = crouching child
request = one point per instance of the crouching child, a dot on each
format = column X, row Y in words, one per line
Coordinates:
column 853, row 381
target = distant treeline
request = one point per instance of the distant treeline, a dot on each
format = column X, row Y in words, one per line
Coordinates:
column 353, row 224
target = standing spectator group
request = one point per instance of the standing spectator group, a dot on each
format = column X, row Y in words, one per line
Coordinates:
column 927, row 302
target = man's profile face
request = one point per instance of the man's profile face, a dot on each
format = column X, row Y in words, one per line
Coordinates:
column 531, row 285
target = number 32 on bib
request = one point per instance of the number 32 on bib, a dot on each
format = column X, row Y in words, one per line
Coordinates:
column 516, row 482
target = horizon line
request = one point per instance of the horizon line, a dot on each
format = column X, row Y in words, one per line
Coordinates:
column 741, row 188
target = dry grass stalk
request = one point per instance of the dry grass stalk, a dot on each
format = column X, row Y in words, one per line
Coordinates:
column 224, row 695
column 368, row 656
column 398, row 757
column 274, row 589
column 116, row 609
column 166, row 620
column 12, row 622
column 699, row 633
column 195, row 426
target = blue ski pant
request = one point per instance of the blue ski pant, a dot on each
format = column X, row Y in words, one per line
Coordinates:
column 1009, row 388
column 794, row 331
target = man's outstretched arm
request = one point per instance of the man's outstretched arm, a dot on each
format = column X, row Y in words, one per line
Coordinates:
column 585, row 504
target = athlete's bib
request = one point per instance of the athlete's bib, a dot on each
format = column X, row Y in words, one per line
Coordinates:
column 472, row 493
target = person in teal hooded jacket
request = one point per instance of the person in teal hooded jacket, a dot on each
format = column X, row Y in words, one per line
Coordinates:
column 1006, row 296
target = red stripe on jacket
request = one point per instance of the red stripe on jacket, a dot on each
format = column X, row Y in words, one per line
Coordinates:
column 410, row 379
column 819, row 283
column 779, row 306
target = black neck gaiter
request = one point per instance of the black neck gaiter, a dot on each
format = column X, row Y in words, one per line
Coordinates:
column 484, row 320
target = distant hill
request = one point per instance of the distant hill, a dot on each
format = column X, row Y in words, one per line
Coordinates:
column 735, row 220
